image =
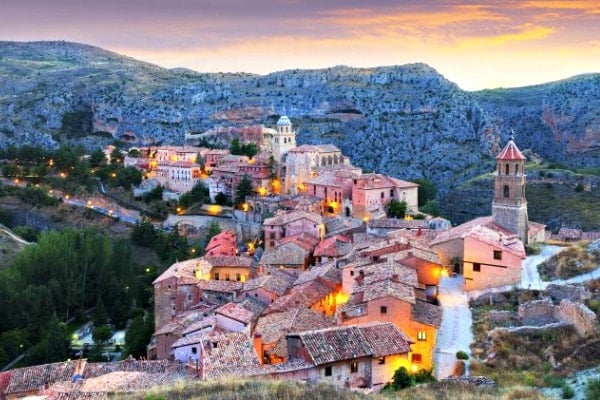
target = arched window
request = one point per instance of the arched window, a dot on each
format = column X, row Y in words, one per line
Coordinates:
column 517, row 169
column 506, row 169
column 506, row 191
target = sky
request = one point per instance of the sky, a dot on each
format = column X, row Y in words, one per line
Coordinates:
column 477, row 44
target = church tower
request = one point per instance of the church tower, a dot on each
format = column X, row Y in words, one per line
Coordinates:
column 284, row 140
column 509, row 208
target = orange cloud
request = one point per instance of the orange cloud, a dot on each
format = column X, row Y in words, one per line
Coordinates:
column 591, row 6
column 526, row 32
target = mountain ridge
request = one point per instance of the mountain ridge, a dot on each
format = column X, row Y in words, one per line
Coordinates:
column 407, row 121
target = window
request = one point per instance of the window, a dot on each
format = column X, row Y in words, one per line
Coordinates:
column 506, row 191
column 272, row 235
column 497, row 255
column 328, row 370
column 381, row 360
column 214, row 345
column 417, row 358
column 227, row 277
column 216, row 276
column 382, row 195
column 351, row 273
column 476, row 267
column 354, row 367
column 516, row 169
column 383, row 309
column 421, row 335
column 506, row 169
column 238, row 277
column 194, row 350
column 391, row 192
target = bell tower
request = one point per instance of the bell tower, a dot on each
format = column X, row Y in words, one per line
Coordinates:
column 284, row 140
column 509, row 207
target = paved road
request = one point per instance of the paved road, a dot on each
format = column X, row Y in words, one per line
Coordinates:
column 455, row 332
column 13, row 236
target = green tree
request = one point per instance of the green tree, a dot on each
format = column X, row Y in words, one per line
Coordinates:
column 116, row 157
column 397, row 209
column 144, row 233
column 101, row 334
column 235, row 148
column 138, row 335
column 97, row 158
column 243, row 189
column 54, row 345
column 221, row 199
column 432, row 207
column 593, row 389
column 427, row 191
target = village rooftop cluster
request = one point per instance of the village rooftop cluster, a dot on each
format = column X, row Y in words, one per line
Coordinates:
column 330, row 289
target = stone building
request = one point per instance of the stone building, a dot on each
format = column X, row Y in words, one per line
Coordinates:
column 373, row 192
column 509, row 207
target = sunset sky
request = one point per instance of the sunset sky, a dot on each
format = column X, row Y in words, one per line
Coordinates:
column 477, row 44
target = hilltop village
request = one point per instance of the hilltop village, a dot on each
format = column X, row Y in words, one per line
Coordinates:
column 314, row 281
column 333, row 290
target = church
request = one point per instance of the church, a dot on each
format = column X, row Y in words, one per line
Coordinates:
column 488, row 251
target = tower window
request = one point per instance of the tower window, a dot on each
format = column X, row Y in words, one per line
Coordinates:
column 516, row 169
column 507, row 171
column 506, row 191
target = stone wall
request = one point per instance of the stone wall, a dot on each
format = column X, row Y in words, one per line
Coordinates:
column 537, row 312
column 582, row 318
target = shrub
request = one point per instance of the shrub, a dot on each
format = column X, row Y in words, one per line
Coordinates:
column 461, row 355
column 402, row 379
column 593, row 389
column 567, row 392
column 553, row 381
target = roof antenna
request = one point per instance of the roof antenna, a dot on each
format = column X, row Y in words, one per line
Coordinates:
column 512, row 134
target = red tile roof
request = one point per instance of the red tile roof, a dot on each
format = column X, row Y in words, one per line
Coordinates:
column 275, row 283
column 304, row 240
column 427, row 313
column 334, row 246
column 233, row 356
column 485, row 230
column 510, row 152
column 350, row 342
column 229, row 261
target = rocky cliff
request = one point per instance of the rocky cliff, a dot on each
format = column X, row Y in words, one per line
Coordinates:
column 407, row 121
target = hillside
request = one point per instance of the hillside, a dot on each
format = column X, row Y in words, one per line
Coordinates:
column 10, row 246
column 407, row 121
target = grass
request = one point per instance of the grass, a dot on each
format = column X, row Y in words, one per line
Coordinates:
column 249, row 390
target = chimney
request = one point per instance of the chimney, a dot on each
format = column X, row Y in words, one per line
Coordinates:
column 258, row 347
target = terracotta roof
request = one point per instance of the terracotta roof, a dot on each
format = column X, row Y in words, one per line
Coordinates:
column 328, row 272
column 273, row 327
column 200, row 325
column 395, row 223
column 306, row 294
column 304, row 240
column 316, row 148
column 334, row 344
column 275, row 283
column 229, row 261
column 211, row 333
column 224, row 243
column 287, row 217
column 350, row 342
column 220, row 286
column 233, row 357
column 510, row 152
column 184, row 270
column 535, row 228
column 333, row 246
column 388, row 270
column 385, row 339
column 289, row 254
column 379, row 181
column 238, row 312
column 34, row 378
column 485, row 230
column 427, row 313
column 387, row 288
